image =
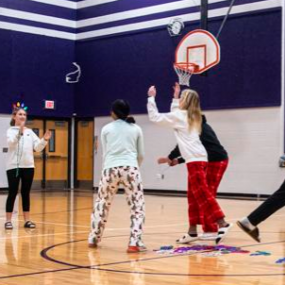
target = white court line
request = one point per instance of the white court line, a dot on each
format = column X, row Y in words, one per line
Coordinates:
column 108, row 229
column 49, row 223
column 42, row 235
column 115, row 229
column 88, row 227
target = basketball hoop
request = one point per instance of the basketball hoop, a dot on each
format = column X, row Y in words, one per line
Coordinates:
column 184, row 72
column 197, row 52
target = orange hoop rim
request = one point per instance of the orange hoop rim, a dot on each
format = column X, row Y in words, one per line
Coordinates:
column 185, row 66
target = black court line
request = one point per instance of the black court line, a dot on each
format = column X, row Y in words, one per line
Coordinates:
column 73, row 267
column 97, row 267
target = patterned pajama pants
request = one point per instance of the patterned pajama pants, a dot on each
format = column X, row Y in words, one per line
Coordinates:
column 111, row 179
column 202, row 205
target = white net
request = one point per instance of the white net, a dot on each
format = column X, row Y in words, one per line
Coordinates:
column 184, row 75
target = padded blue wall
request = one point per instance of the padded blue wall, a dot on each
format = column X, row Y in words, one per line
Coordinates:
column 33, row 68
column 124, row 66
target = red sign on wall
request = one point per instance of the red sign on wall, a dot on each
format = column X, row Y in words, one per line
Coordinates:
column 49, row 104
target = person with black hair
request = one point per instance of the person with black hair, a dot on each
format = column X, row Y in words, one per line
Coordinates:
column 123, row 152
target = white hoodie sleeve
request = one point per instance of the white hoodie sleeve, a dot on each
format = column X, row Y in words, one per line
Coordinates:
column 13, row 137
column 164, row 119
column 38, row 144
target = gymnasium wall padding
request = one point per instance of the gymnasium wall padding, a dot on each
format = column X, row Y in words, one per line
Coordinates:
column 33, row 69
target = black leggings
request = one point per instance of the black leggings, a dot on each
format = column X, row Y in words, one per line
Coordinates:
column 26, row 175
column 275, row 202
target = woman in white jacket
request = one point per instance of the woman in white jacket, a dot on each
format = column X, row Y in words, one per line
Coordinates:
column 22, row 142
column 185, row 119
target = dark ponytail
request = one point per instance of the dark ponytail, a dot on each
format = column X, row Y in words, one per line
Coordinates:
column 130, row 120
column 121, row 109
column 12, row 122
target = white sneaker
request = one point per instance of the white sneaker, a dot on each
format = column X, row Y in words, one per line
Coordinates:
column 92, row 242
column 208, row 236
column 222, row 233
column 187, row 239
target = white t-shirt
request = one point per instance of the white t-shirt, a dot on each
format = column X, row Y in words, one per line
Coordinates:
column 122, row 144
column 188, row 141
column 21, row 148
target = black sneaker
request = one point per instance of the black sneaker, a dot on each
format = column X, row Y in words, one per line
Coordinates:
column 8, row 226
column 29, row 225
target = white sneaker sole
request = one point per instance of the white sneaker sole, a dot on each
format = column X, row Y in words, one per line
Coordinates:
column 187, row 239
column 208, row 238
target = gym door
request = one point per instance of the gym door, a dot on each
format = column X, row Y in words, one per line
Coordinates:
column 84, row 154
column 56, row 162
column 51, row 166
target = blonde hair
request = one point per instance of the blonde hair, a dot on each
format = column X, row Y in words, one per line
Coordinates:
column 191, row 103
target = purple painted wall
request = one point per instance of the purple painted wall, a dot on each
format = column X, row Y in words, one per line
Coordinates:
column 124, row 66
column 32, row 69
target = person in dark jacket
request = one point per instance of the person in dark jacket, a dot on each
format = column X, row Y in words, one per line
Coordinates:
column 218, row 162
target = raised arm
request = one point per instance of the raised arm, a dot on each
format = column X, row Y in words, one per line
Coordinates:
column 39, row 144
column 163, row 119
column 176, row 94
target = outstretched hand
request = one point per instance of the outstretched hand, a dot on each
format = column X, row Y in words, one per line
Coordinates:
column 174, row 162
column 47, row 135
column 163, row 160
column 151, row 91
column 177, row 90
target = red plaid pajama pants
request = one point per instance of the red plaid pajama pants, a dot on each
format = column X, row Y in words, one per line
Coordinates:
column 203, row 182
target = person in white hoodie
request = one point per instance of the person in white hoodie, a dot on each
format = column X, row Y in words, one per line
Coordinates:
column 123, row 152
column 185, row 119
column 22, row 142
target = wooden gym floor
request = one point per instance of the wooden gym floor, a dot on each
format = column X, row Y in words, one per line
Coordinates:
column 57, row 253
